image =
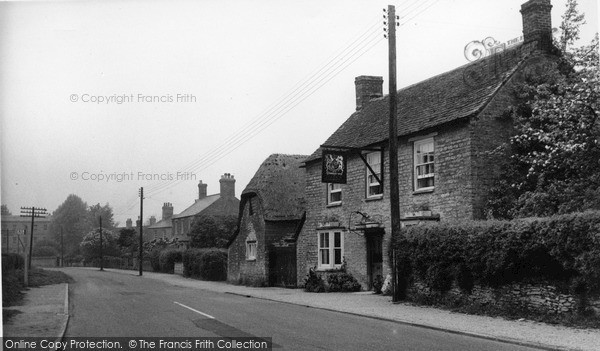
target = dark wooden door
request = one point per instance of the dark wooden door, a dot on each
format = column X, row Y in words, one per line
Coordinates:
column 282, row 266
column 374, row 256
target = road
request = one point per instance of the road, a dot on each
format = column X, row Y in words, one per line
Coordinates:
column 105, row 304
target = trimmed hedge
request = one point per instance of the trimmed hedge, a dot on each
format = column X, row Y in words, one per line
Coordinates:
column 167, row 259
column 563, row 250
column 12, row 261
column 207, row 264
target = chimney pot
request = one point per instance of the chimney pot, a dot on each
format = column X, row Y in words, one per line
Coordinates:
column 202, row 190
column 227, row 183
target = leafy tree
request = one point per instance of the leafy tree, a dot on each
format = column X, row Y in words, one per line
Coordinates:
column 5, row 210
column 553, row 158
column 90, row 245
column 70, row 217
column 97, row 211
column 212, row 231
column 128, row 240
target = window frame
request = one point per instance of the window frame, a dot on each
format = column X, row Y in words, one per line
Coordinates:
column 334, row 188
column 251, row 247
column 417, row 163
column 330, row 249
column 368, row 184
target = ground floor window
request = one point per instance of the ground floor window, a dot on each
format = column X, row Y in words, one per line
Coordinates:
column 331, row 249
column 251, row 247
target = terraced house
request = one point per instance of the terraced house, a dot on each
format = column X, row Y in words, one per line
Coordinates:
column 448, row 126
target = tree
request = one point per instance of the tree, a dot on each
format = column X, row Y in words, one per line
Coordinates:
column 5, row 210
column 70, row 217
column 128, row 240
column 90, row 245
column 553, row 158
column 96, row 211
column 212, row 231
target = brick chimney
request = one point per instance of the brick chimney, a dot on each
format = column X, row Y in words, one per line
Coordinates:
column 167, row 210
column 152, row 220
column 227, row 185
column 537, row 23
column 367, row 88
column 128, row 223
column 202, row 190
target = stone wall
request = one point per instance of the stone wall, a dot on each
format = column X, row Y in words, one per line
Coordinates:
column 542, row 298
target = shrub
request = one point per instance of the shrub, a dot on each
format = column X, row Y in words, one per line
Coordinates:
column 12, row 261
column 154, row 257
column 342, row 282
column 313, row 282
column 167, row 259
column 208, row 264
column 563, row 250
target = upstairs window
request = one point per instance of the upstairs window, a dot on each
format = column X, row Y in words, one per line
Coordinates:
column 334, row 194
column 424, row 164
column 374, row 188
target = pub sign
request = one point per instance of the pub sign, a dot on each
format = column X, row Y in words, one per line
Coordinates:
column 334, row 167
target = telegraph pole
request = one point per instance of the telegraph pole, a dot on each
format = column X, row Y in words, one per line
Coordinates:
column 393, row 141
column 62, row 248
column 101, row 253
column 33, row 212
column 141, row 258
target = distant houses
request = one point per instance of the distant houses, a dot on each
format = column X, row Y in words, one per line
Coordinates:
column 15, row 228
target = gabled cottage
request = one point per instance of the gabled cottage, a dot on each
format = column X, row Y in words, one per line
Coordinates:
column 263, row 250
column 447, row 127
column 222, row 204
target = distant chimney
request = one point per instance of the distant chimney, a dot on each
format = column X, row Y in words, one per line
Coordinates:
column 202, row 190
column 367, row 88
column 152, row 220
column 167, row 210
column 537, row 23
column 128, row 223
column 227, row 185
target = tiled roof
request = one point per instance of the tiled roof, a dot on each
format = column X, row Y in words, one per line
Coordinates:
column 198, row 206
column 279, row 183
column 457, row 94
column 163, row 223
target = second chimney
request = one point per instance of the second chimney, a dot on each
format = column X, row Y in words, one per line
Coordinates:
column 167, row 210
column 367, row 88
column 537, row 23
column 227, row 185
column 202, row 190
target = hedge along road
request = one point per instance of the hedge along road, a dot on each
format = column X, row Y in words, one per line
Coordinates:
column 108, row 304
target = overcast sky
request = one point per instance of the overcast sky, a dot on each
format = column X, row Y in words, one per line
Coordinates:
column 277, row 76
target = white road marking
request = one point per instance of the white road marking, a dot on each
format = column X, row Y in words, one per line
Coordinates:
column 195, row 310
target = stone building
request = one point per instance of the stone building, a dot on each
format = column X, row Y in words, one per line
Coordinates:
column 448, row 126
column 163, row 228
column 222, row 204
column 271, row 213
column 15, row 228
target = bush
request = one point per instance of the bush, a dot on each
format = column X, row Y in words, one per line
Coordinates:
column 207, row 264
column 167, row 259
column 154, row 257
column 313, row 282
column 563, row 250
column 342, row 282
column 12, row 261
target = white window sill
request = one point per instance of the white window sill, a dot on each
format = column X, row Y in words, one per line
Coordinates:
column 374, row 197
column 334, row 204
column 251, row 259
column 423, row 191
column 329, row 269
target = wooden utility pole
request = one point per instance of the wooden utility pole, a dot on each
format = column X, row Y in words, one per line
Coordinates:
column 393, row 141
column 101, row 253
column 33, row 212
column 62, row 248
column 141, row 258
